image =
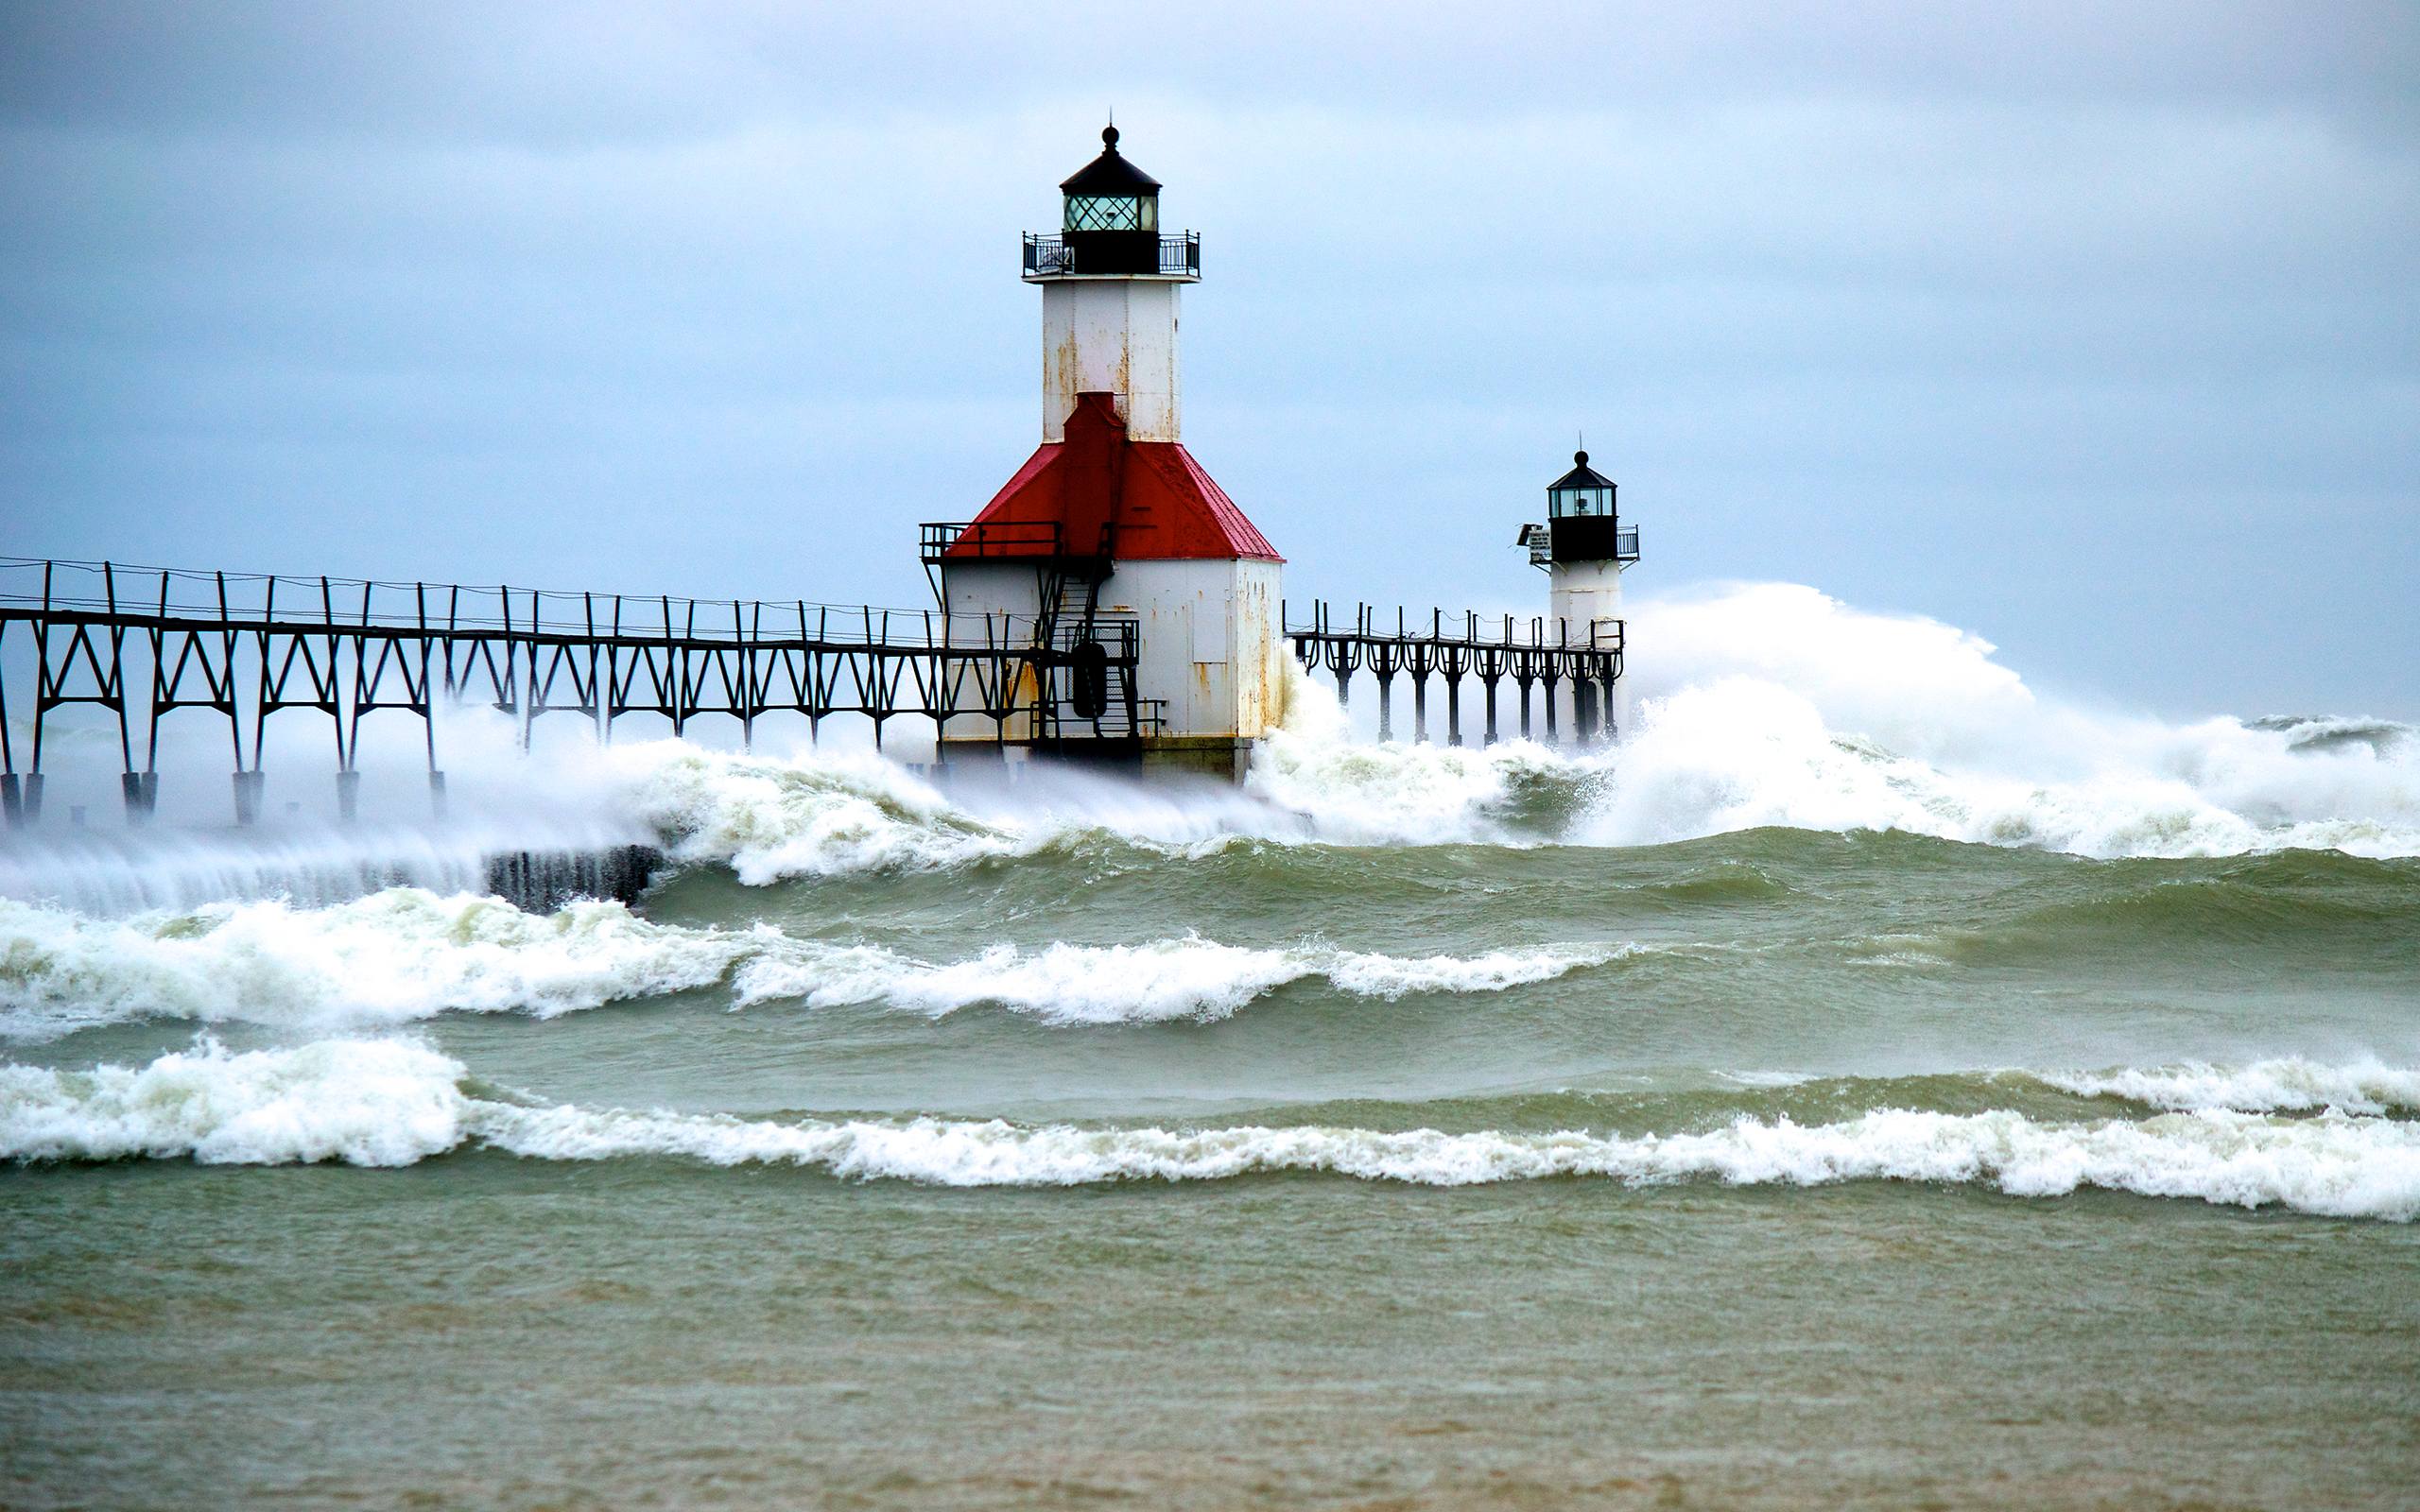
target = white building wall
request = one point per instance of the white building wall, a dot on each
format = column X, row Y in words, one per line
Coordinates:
column 1115, row 335
column 974, row 589
column 1580, row 594
column 1208, row 628
column 1208, row 634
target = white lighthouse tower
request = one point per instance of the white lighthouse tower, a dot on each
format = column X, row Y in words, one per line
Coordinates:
column 1112, row 534
column 1584, row 548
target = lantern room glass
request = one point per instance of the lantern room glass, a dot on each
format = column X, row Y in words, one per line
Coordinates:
column 1113, row 212
column 1566, row 504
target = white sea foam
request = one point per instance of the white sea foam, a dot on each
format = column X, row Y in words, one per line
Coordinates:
column 2265, row 1086
column 368, row 1102
column 1760, row 704
column 391, row 1103
column 814, row 814
column 407, row 953
column 1360, row 793
column 1183, row 978
column 1772, row 704
column 397, row 955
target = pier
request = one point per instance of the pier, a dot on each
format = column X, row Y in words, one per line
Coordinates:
column 145, row 642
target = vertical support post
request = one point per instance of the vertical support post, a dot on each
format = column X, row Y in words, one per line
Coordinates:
column 12, row 794
column 1491, row 737
column 428, row 703
column 528, row 700
column 41, row 698
column 227, row 645
column 1454, row 710
column 747, row 658
column 117, row 680
column 597, row 694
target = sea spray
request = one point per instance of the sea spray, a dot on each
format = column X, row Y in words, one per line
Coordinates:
column 1772, row 704
column 1766, row 705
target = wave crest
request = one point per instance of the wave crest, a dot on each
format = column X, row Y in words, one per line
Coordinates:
column 384, row 1103
column 1160, row 980
column 392, row 958
column 2289, row 1084
column 407, row 954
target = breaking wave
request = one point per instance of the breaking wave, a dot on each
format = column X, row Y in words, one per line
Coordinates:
column 1183, row 978
column 397, row 955
column 1764, row 705
column 408, row 954
column 2289, row 1084
column 391, row 1103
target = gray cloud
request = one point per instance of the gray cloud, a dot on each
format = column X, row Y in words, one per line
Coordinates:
column 2094, row 329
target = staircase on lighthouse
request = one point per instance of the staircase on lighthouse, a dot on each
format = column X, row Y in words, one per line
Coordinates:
column 1584, row 548
column 1111, row 529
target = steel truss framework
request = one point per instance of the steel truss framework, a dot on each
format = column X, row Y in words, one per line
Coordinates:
column 145, row 642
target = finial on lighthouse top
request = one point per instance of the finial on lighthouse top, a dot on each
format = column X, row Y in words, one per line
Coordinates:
column 1582, row 491
column 1109, row 176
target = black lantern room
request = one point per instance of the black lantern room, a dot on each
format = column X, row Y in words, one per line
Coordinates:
column 1580, row 518
column 1110, row 226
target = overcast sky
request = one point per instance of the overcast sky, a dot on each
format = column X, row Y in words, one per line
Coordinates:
column 2094, row 329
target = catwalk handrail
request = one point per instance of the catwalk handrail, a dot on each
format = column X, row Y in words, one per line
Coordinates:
column 1471, row 629
column 183, row 598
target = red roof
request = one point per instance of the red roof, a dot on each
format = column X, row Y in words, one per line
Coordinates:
column 1162, row 504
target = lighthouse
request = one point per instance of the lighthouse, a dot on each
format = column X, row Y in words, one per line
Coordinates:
column 1584, row 548
column 1112, row 536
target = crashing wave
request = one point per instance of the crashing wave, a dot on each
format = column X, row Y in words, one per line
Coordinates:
column 407, row 954
column 397, row 955
column 1766, row 705
column 387, row 1103
column 1183, row 978
column 2289, row 1084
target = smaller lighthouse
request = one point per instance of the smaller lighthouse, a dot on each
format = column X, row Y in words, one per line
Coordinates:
column 1583, row 547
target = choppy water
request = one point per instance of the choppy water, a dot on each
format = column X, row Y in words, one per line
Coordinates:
column 1888, row 1092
